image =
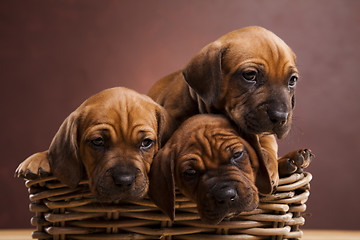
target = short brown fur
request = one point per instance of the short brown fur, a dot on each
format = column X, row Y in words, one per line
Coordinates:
column 110, row 139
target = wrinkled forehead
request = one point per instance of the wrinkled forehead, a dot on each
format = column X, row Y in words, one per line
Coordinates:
column 250, row 45
column 210, row 146
column 121, row 112
column 118, row 97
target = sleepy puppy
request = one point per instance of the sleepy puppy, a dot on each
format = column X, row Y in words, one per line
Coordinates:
column 211, row 164
column 110, row 139
column 248, row 75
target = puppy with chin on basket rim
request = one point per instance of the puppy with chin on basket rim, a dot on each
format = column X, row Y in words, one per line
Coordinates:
column 110, row 139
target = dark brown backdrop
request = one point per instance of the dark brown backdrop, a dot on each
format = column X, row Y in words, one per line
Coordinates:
column 55, row 54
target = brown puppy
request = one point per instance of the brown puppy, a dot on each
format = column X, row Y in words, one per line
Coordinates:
column 110, row 139
column 211, row 164
column 249, row 75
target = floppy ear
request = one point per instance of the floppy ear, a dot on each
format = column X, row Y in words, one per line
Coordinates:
column 203, row 72
column 162, row 183
column 165, row 125
column 63, row 153
column 262, row 177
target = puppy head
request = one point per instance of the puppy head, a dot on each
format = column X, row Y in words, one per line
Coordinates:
column 209, row 163
column 111, row 138
column 250, row 75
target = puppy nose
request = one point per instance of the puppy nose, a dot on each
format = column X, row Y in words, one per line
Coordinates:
column 226, row 196
column 124, row 180
column 278, row 117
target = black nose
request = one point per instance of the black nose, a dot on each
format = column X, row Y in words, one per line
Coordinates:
column 226, row 196
column 124, row 180
column 278, row 117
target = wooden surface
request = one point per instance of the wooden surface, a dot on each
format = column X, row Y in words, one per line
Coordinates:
column 25, row 234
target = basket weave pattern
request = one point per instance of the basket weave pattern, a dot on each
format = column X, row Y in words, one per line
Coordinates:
column 66, row 213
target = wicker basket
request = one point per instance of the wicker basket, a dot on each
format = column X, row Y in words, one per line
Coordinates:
column 65, row 213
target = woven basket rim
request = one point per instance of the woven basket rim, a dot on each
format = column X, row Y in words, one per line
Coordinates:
column 62, row 212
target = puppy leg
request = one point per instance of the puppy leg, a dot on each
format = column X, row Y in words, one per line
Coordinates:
column 35, row 166
column 294, row 161
column 269, row 149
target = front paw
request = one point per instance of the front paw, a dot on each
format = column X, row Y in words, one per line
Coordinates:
column 35, row 166
column 294, row 162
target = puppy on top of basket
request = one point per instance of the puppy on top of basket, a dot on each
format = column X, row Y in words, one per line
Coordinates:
column 110, row 139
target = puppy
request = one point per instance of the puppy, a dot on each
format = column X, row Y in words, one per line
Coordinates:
column 248, row 75
column 110, row 139
column 211, row 164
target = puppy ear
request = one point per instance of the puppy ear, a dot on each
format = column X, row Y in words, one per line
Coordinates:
column 165, row 126
column 63, row 153
column 162, row 183
column 262, row 177
column 203, row 72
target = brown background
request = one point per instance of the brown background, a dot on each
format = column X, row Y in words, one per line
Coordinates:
column 55, row 54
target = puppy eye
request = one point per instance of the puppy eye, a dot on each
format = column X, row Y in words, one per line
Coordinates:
column 98, row 142
column 292, row 81
column 237, row 156
column 249, row 76
column 189, row 173
column 146, row 144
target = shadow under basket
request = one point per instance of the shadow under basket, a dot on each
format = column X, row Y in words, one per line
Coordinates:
column 66, row 213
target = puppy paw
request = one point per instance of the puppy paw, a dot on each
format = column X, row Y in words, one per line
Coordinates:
column 294, row 162
column 35, row 166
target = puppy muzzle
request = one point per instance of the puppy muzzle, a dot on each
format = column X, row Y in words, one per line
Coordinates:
column 121, row 184
column 226, row 200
